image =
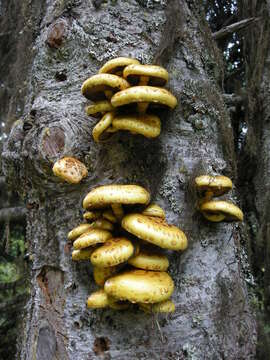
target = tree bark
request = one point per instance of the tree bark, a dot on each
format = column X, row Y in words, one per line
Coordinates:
column 212, row 319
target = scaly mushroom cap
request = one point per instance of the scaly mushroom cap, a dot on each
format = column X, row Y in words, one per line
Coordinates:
column 154, row 210
column 115, row 251
column 104, row 196
column 92, row 237
column 98, row 300
column 78, row 231
column 155, row 231
column 95, row 87
column 140, row 286
column 102, row 224
column 221, row 210
column 218, row 185
column 91, row 215
column 146, row 125
column 102, row 126
column 116, row 66
column 70, row 170
column 99, row 108
column 102, row 274
column 146, row 260
column 146, row 94
column 157, row 75
column 83, row 254
column 166, row 306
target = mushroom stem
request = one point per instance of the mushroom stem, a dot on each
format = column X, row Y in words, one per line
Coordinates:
column 207, row 197
column 118, row 211
column 142, row 107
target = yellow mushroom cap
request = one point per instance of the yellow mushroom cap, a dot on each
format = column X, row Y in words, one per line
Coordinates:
column 140, row 286
column 154, row 210
column 102, row 274
column 147, row 94
column 155, row 231
column 92, row 237
column 109, row 215
column 98, row 300
column 115, row 251
column 218, row 185
column 166, row 306
column 70, row 169
column 91, row 215
column 117, row 65
column 94, row 88
column 106, row 195
column 147, row 260
column 99, row 108
column 82, row 254
column 102, row 126
column 146, row 125
column 78, row 231
column 221, row 210
column 157, row 75
column 102, row 224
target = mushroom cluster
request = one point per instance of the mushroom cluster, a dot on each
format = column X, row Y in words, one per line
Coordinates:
column 121, row 238
column 125, row 94
column 216, row 210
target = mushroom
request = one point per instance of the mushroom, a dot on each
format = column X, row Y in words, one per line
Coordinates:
column 78, row 231
column 147, row 260
column 101, row 274
column 117, row 65
column 92, row 237
column 155, row 231
column 217, row 211
column 82, row 254
column 154, row 210
column 144, row 124
column 109, row 215
column 102, row 224
column 166, row 306
column 115, row 196
column 139, row 286
column 210, row 186
column 70, row 170
column 99, row 108
column 91, row 215
column 114, row 252
column 103, row 86
column 98, row 300
column 102, row 126
column 144, row 94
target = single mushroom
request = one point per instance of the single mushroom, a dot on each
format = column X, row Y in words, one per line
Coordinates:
column 147, row 260
column 92, row 237
column 114, row 252
column 209, row 186
column 117, row 65
column 100, row 131
column 70, row 170
column 166, row 307
column 101, row 274
column 140, row 286
column 82, row 254
column 155, row 231
column 115, row 196
column 103, row 86
column 154, row 210
column 91, row 215
column 98, row 300
column 217, row 211
column 78, row 231
column 99, row 108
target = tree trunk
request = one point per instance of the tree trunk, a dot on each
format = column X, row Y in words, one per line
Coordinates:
column 212, row 319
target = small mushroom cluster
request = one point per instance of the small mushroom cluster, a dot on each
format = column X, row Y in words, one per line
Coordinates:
column 122, row 244
column 216, row 210
column 124, row 92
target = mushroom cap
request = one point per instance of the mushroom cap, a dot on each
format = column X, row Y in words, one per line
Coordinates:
column 114, row 252
column 147, row 260
column 166, row 306
column 92, row 237
column 147, row 94
column 98, row 300
column 70, row 170
column 78, row 231
column 146, row 125
column 82, row 254
column 99, row 108
column 91, row 215
column 154, row 210
column 102, row 224
column 155, row 231
column 104, row 196
column 229, row 211
column 102, row 274
column 140, row 286
column 117, row 65
column 94, row 88
column 158, row 76
column 218, row 185
column 102, row 126
column 109, row 215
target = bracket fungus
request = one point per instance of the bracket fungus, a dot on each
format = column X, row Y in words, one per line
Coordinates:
column 70, row 170
column 213, row 210
column 113, row 103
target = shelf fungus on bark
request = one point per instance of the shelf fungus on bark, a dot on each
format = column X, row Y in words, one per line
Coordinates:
column 221, row 211
column 117, row 65
column 70, row 170
column 210, row 186
column 166, row 307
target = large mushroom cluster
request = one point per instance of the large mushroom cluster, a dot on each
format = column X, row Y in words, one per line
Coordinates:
column 216, row 210
column 121, row 238
column 125, row 95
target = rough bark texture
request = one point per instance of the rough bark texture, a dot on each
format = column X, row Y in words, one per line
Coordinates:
column 212, row 318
